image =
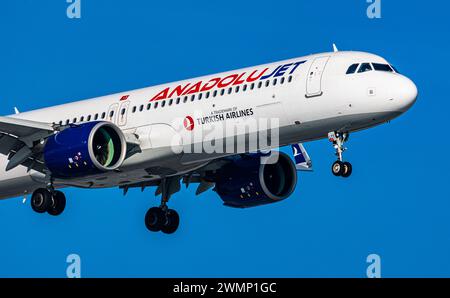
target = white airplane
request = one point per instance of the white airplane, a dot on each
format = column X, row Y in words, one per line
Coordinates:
column 146, row 137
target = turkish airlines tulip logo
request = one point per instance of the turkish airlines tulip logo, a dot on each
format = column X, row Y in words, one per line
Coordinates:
column 188, row 123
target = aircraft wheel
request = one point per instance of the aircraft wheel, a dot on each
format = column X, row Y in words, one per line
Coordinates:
column 58, row 203
column 155, row 219
column 172, row 222
column 337, row 168
column 41, row 200
column 347, row 170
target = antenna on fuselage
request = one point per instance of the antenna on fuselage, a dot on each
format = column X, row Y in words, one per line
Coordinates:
column 335, row 49
column 16, row 110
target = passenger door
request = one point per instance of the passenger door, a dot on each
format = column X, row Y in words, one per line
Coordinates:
column 123, row 113
column 112, row 113
column 314, row 79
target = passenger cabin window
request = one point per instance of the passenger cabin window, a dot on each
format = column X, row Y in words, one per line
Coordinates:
column 352, row 68
column 382, row 67
column 364, row 67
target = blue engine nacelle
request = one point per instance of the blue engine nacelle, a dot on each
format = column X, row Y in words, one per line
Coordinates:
column 85, row 149
column 249, row 182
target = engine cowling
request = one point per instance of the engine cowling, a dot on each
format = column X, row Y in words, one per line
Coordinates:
column 248, row 182
column 85, row 149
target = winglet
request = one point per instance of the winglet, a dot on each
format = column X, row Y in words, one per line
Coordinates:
column 16, row 110
column 302, row 160
column 335, row 49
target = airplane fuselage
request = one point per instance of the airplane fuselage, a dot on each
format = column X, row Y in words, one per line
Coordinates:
column 307, row 96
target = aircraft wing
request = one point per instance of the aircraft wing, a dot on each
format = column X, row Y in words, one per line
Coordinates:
column 301, row 157
column 20, row 127
column 19, row 140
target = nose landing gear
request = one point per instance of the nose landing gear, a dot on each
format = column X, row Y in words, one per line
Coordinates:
column 339, row 167
column 343, row 169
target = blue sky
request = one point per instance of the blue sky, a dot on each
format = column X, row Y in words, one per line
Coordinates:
column 396, row 203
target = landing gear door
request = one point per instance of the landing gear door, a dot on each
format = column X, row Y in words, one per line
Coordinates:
column 314, row 80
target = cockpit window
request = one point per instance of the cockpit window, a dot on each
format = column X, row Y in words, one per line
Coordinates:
column 364, row 67
column 352, row 68
column 382, row 67
column 395, row 69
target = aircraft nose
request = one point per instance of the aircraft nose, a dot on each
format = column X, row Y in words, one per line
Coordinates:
column 405, row 93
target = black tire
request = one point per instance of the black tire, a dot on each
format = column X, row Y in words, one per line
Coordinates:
column 172, row 222
column 347, row 170
column 337, row 168
column 58, row 203
column 41, row 200
column 155, row 219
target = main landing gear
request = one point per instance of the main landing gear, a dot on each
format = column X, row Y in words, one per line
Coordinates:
column 339, row 167
column 162, row 218
column 48, row 200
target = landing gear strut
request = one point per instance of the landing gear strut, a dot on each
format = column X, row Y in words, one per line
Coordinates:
column 162, row 218
column 339, row 167
column 48, row 200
